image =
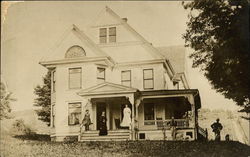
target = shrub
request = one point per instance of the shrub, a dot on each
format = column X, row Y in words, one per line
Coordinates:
column 20, row 128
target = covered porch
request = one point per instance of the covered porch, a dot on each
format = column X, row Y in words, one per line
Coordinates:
column 154, row 111
column 109, row 98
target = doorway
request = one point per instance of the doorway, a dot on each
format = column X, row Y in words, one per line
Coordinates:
column 100, row 107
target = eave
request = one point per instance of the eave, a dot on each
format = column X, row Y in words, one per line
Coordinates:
column 77, row 60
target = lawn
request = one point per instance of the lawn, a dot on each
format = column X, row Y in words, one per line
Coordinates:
column 40, row 146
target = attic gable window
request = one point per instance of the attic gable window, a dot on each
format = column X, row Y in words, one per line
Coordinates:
column 112, row 34
column 75, row 51
column 107, row 35
column 103, row 35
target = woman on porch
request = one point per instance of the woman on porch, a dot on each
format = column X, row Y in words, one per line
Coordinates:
column 103, row 125
column 126, row 117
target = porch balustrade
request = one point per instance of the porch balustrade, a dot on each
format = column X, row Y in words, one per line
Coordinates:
column 181, row 123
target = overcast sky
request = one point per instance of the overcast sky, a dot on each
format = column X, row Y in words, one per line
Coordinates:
column 32, row 29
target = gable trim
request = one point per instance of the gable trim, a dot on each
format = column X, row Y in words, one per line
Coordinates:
column 81, row 35
column 74, row 60
column 90, row 90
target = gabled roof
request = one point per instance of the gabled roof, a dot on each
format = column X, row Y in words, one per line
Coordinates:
column 176, row 55
column 148, row 45
column 86, row 41
column 106, row 88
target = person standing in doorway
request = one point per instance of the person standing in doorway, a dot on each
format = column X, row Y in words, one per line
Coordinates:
column 126, row 121
column 86, row 120
column 103, row 125
column 217, row 127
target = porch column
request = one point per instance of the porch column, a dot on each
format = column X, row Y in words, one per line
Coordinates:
column 131, row 100
column 137, row 103
column 193, row 115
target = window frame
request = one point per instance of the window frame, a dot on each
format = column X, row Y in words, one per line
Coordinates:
column 80, row 78
column 148, row 78
column 79, row 113
column 100, row 78
column 111, row 35
column 101, row 36
column 130, row 77
column 151, row 121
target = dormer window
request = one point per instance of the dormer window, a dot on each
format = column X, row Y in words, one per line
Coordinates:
column 107, row 35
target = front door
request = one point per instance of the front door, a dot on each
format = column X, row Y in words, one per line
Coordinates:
column 100, row 107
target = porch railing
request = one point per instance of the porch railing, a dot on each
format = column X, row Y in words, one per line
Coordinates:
column 181, row 123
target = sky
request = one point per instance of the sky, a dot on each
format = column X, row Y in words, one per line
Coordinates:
column 31, row 30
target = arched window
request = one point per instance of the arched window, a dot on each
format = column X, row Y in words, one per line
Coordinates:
column 75, row 51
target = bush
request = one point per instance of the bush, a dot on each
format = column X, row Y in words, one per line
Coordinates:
column 20, row 128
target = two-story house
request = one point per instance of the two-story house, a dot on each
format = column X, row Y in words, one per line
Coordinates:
column 111, row 65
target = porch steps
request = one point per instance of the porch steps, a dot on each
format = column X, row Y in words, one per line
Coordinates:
column 113, row 135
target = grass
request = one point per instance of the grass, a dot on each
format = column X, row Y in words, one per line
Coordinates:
column 40, row 146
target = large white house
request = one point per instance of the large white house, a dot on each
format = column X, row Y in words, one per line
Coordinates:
column 111, row 65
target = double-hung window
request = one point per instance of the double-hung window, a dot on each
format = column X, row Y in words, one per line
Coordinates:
column 112, row 34
column 74, row 113
column 100, row 75
column 75, row 78
column 126, row 78
column 103, row 35
column 148, row 79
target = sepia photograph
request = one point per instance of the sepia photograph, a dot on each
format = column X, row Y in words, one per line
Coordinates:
column 125, row 78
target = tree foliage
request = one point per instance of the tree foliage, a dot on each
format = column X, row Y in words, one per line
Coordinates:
column 6, row 99
column 43, row 99
column 218, row 31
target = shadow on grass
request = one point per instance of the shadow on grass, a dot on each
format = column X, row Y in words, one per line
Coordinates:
column 33, row 137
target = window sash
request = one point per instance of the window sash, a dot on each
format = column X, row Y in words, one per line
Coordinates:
column 75, row 78
column 103, row 32
column 148, row 74
column 112, row 31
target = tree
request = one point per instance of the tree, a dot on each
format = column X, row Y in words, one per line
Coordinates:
column 43, row 100
column 218, row 31
column 6, row 98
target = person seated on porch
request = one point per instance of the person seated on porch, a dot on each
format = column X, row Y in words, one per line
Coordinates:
column 126, row 121
column 173, row 125
column 103, row 125
column 86, row 120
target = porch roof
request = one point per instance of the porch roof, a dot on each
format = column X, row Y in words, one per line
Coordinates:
column 106, row 88
column 194, row 92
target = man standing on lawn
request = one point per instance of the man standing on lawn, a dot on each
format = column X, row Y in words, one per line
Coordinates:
column 217, row 127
